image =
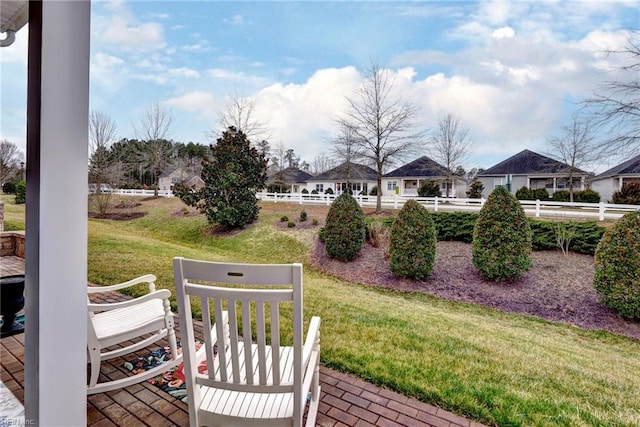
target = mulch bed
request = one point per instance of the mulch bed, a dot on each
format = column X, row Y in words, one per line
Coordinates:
column 557, row 287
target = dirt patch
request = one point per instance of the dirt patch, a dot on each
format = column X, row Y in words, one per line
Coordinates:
column 126, row 204
column 117, row 216
column 218, row 230
column 557, row 287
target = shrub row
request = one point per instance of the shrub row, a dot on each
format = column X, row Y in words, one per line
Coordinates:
column 584, row 196
column 458, row 226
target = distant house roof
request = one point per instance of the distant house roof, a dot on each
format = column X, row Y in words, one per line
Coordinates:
column 289, row 175
column 355, row 171
column 629, row 167
column 423, row 166
column 527, row 162
column 167, row 173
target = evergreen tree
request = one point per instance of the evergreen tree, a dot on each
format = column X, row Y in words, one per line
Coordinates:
column 232, row 175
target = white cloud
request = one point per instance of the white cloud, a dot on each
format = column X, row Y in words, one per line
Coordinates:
column 184, row 72
column 503, row 32
column 200, row 46
column 301, row 116
column 234, row 20
column 121, row 28
column 197, row 101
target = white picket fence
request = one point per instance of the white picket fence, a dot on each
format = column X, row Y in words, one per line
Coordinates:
column 141, row 193
column 535, row 208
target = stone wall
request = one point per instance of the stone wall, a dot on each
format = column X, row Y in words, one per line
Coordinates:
column 12, row 243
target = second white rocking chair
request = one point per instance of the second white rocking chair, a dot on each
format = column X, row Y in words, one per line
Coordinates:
column 128, row 326
column 252, row 379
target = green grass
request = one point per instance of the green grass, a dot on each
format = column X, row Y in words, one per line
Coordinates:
column 14, row 218
column 494, row 367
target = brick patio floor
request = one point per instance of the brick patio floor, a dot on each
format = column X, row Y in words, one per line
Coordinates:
column 345, row 400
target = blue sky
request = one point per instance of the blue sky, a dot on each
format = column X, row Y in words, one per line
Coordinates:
column 510, row 71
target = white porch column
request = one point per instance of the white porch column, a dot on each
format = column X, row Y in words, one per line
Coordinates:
column 56, row 226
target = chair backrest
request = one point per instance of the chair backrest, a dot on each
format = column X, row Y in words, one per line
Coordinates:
column 253, row 295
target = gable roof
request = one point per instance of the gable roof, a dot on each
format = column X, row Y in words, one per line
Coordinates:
column 528, row 162
column 629, row 167
column 355, row 171
column 289, row 175
column 424, row 166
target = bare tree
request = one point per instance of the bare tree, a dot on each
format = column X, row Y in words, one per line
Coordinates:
column 450, row 146
column 239, row 112
column 345, row 147
column 10, row 158
column 383, row 124
column 322, row 163
column 574, row 147
column 155, row 123
column 615, row 106
column 102, row 133
column 279, row 157
column 154, row 127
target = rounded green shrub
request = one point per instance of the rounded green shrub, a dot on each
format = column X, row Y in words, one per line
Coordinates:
column 561, row 196
column 586, row 196
column 429, row 189
column 412, row 243
column 291, row 224
column 344, row 230
column 303, row 215
column 502, row 238
column 526, row 193
column 284, row 218
column 617, row 266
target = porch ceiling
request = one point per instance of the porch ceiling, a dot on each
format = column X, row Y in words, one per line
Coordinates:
column 14, row 14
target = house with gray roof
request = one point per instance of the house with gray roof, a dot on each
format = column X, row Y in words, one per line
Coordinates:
column 531, row 170
column 359, row 178
column 612, row 180
column 409, row 177
column 290, row 180
column 168, row 179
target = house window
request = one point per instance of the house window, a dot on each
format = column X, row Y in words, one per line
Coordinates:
column 175, row 179
column 499, row 182
column 391, row 185
column 320, row 188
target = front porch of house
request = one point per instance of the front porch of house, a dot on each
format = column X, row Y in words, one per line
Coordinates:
column 345, row 400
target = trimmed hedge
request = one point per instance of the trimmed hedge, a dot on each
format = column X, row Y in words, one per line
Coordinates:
column 458, row 226
column 412, row 243
column 344, row 230
column 501, row 247
column 585, row 196
column 617, row 267
column 525, row 193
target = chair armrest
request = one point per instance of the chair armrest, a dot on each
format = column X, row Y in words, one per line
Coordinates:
column 160, row 294
column 313, row 336
column 147, row 278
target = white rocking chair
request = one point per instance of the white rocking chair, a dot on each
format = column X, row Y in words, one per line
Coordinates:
column 143, row 320
column 252, row 379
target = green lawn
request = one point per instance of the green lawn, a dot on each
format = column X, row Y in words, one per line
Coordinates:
column 494, row 367
column 13, row 214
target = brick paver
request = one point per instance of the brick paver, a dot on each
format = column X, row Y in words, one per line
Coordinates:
column 345, row 401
